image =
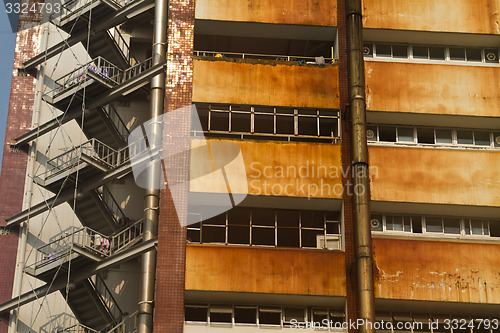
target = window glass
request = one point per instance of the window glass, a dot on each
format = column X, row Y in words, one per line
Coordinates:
column 474, row 55
column 425, row 135
column 405, row 134
column 394, row 223
column 491, row 55
column 387, row 133
column 477, row 227
column 416, row 222
column 407, row 224
column 383, row 50
column 437, row 53
column 270, row 316
column 464, row 137
column 443, row 136
column 467, row 226
column 482, row 138
column 221, row 314
column 452, row 226
column 294, row 313
column 245, row 315
column 433, row 224
column 420, row 52
column 400, row 51
column 457, row 53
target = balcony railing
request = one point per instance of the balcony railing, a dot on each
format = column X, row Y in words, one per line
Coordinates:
column 112, row 206
column 302, row 59
column 137, row 69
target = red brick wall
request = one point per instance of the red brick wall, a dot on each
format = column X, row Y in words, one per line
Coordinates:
column 13, row 173
column 171, row 256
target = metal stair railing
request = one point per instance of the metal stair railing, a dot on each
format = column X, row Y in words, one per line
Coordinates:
column 122, row 239
column 85, row 238
column 72, row 7
column 111, row 205
column 78, row 328
column 71, row 159
column 120, row 42
column 117, row 121
column 127, row 325
column 100, row 66
column 137, row 69
column 107, row 298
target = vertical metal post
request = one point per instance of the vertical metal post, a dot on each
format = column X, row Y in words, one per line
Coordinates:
column 361, row 190
column 152, row 197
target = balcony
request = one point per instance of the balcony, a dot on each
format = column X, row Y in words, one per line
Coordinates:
column 448, row 15
column 432, row 89
column 305, row 170
column 436, row 271
column 438, row 176
column 322, row 13
column 260, row 270
column 265, row 82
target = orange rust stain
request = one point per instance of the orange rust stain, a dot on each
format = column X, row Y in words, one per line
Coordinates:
column 434, row 89
column 437, row 271
column 282, row 169
column 468, row 16
column 259, row 84
column 281, row 271
column 435, row 176
column 306, row 12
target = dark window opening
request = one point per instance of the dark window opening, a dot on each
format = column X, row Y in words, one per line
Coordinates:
column 263, row 236
column 465, row 137
column 238, row 235
column 420, row 52
column 264, row 123
column 288, row 237
column 269, row 317
column 474, row 55
column 482, row 138
column 383, row 50
column 213, row 234
column 192, row 313
column 437, row 53
column 219, row 121
column 400, row 51
column 309, row 237
column 425, row 135
column 244, row 315
column 240, row 122
column 387, row 134
column 308, row 126
column 457, row 53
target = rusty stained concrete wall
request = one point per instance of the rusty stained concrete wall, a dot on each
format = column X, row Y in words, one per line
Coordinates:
column 306, row 12
column 433, row 89
column 437, row 270
column 437, row 176
column 265, row 83
column 467, row 16
column 275, row 168
column 265, row 270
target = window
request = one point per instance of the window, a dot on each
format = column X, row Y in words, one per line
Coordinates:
column 431, row 136
column 447, row 226
column 419, row 53
column 266, row 122
column 245, row 315
column 221, row 314
column 267, row 227
column 196, row 313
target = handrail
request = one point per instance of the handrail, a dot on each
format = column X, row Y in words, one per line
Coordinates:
column 79, row 328
column 107, row 298
column 100, row 66
column 137, row 69
column 128, row 325
column 112, row 206
column 67, row 8
column 86, row 238
column 123, row 238
column 90, row 240
column 120, row 42
column 259, row 56
column 71, row 159
column 115, row 118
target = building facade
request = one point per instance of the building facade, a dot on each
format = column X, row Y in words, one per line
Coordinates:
column 270, row 173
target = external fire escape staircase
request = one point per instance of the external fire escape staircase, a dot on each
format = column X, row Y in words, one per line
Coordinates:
column 90, row 299
column 71, row 264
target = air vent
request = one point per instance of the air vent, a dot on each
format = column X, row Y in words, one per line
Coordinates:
column 370, row 134
column 367, row 50
column 497, row 140
column 491, row 55
column 375, row 224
